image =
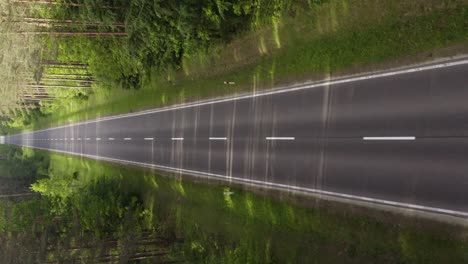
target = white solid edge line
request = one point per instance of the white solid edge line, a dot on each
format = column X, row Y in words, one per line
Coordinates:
column 270, row 184
column 339, row 80
column 389, row 138
column 177, row 138
column 149, row 138
column 218, row 138
column 280, row 138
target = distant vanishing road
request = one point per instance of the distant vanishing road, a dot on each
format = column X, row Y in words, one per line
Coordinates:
column 398, row 138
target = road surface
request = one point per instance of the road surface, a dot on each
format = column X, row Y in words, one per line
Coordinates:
column 398, row 138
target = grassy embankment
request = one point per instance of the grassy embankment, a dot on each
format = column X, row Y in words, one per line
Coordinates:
column 247, row 227
column 301, row 43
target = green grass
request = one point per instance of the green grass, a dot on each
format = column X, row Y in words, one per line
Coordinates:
column 249, row 227
column 303, row 44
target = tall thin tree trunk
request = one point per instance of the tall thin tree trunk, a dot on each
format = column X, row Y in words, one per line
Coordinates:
column 68, row 80
column 57, row 86
column 47, row 2
column 69, row 75
column 67, row 21
column 72, row 34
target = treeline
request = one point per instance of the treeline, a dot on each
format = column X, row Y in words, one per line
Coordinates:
column 18, row 170
column 31, row 71
column 72, row 221
column 158, row 33
column 70, row 46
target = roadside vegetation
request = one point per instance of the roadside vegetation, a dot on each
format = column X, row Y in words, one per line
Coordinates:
column 48, row 215
column 123, row 56
column 73, row 49
column 93, row 211
column 71, row 60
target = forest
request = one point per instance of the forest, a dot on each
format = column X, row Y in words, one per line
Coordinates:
column 72, row 222
column 64, row 61
column 62, row 49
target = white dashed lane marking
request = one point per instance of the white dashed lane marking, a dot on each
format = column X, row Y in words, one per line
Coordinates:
column 280, row 138
column 389, row 138
column 218, row 138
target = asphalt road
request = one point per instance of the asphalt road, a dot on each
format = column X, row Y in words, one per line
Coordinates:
column 398, row 138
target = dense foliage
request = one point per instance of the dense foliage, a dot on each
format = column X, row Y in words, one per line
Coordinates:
column 68, row 47
column 160, row 33
column 97, row 221
column 64, row 48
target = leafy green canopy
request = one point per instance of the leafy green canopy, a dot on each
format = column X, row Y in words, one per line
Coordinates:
column 160, row 33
